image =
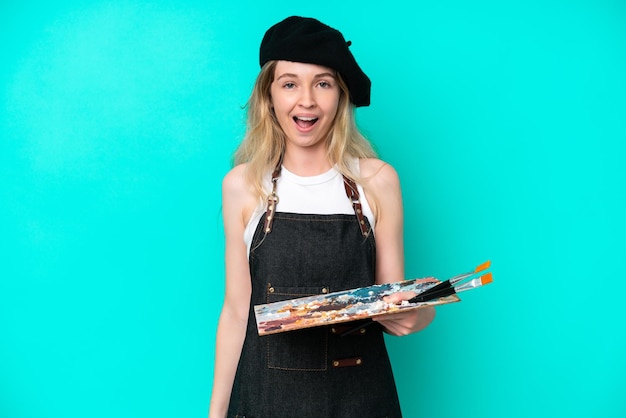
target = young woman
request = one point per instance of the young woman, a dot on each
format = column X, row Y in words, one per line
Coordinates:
column 308, row 209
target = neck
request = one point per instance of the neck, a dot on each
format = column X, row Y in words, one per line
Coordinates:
column 306, row 163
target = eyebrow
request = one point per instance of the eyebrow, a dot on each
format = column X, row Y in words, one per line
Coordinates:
column 291, row 75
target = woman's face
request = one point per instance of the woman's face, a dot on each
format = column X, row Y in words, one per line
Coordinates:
column 305, row 98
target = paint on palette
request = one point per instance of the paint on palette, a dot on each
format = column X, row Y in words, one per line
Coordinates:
column 342, row 306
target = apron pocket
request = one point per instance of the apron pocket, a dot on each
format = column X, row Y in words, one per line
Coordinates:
column 302, row 350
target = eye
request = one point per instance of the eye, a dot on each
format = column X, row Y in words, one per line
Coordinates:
column 289, row 85
column 324, row 84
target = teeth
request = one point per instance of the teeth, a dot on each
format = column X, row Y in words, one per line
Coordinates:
column 306, row 119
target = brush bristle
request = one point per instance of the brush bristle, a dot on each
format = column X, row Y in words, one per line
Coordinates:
column 483, row 266
column 486, row 279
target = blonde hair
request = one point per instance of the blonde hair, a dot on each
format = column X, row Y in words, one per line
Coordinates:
column 264, row 143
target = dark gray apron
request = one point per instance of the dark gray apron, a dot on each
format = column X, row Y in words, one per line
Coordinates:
column 315, row 372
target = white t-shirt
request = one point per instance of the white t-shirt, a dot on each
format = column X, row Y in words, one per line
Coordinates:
column 323, row 194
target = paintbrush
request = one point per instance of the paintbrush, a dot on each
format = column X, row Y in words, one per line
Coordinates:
column 456, row 279
column 443, row 289
column 451, row 290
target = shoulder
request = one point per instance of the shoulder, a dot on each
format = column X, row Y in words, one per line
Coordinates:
column 236, row 183
column 238, row 196
column 381, row 184
column 378, row 174
column 235, row 178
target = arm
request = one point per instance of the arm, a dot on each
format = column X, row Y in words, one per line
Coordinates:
column 383, row 192
column 237, row 205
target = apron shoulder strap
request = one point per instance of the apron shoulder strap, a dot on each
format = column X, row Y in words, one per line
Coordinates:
column 353, row 194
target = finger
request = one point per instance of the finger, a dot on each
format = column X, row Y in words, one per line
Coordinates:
column 428, row 280
column 392, row 317
column 398, row 297
column 397, row 329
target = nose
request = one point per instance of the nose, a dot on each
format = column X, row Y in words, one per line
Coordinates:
column 307, row 98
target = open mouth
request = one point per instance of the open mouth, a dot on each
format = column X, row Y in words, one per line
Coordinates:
column 304, row 122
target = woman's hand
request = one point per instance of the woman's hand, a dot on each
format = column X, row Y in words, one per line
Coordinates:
column 408, row 321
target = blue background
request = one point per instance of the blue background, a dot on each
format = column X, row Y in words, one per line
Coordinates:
column 118, row 119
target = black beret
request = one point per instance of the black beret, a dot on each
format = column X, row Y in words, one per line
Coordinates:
column 303, row 39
